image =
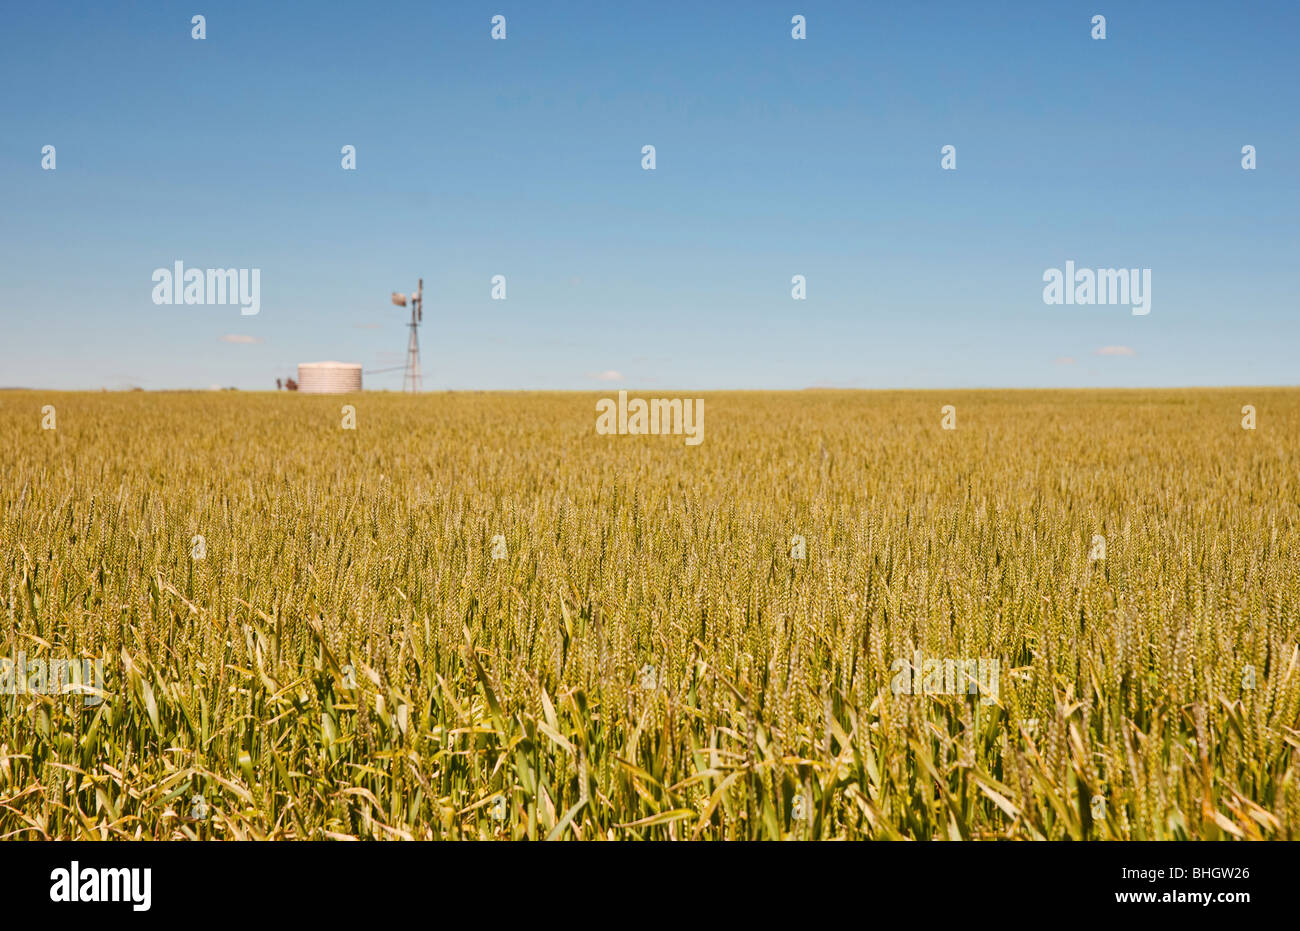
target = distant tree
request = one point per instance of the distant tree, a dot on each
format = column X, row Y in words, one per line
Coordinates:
column 291, row 385
column 278, row 384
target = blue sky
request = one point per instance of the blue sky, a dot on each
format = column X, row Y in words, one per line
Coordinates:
column 775, row 157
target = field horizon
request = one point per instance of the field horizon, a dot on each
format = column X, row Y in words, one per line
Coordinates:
column 661, row 389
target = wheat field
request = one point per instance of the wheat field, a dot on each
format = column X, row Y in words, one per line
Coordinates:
column 349, row 652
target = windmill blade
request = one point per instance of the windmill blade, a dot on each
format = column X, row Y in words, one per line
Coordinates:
column 399, row 299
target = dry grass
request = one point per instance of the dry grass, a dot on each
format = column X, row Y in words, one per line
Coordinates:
column 479, row 679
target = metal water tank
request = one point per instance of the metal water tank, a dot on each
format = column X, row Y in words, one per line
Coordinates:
column 329, row 377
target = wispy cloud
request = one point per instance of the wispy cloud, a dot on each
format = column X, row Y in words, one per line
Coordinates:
column 1065, row 360
column 607, row 375
column 240, row 338
column 1115, row 351
column 835, row 385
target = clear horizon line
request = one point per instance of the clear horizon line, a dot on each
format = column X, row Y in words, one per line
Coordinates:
column 655, row 390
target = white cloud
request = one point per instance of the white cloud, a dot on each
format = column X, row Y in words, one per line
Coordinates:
column 240, row 338
column 1115, row 351
column 607, row 375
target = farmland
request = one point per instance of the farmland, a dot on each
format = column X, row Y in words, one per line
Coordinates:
column 473, row 617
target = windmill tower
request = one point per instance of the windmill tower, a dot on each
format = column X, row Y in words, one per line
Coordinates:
column 411, row 378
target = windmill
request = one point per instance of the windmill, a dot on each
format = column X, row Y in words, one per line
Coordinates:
column 411, row 379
